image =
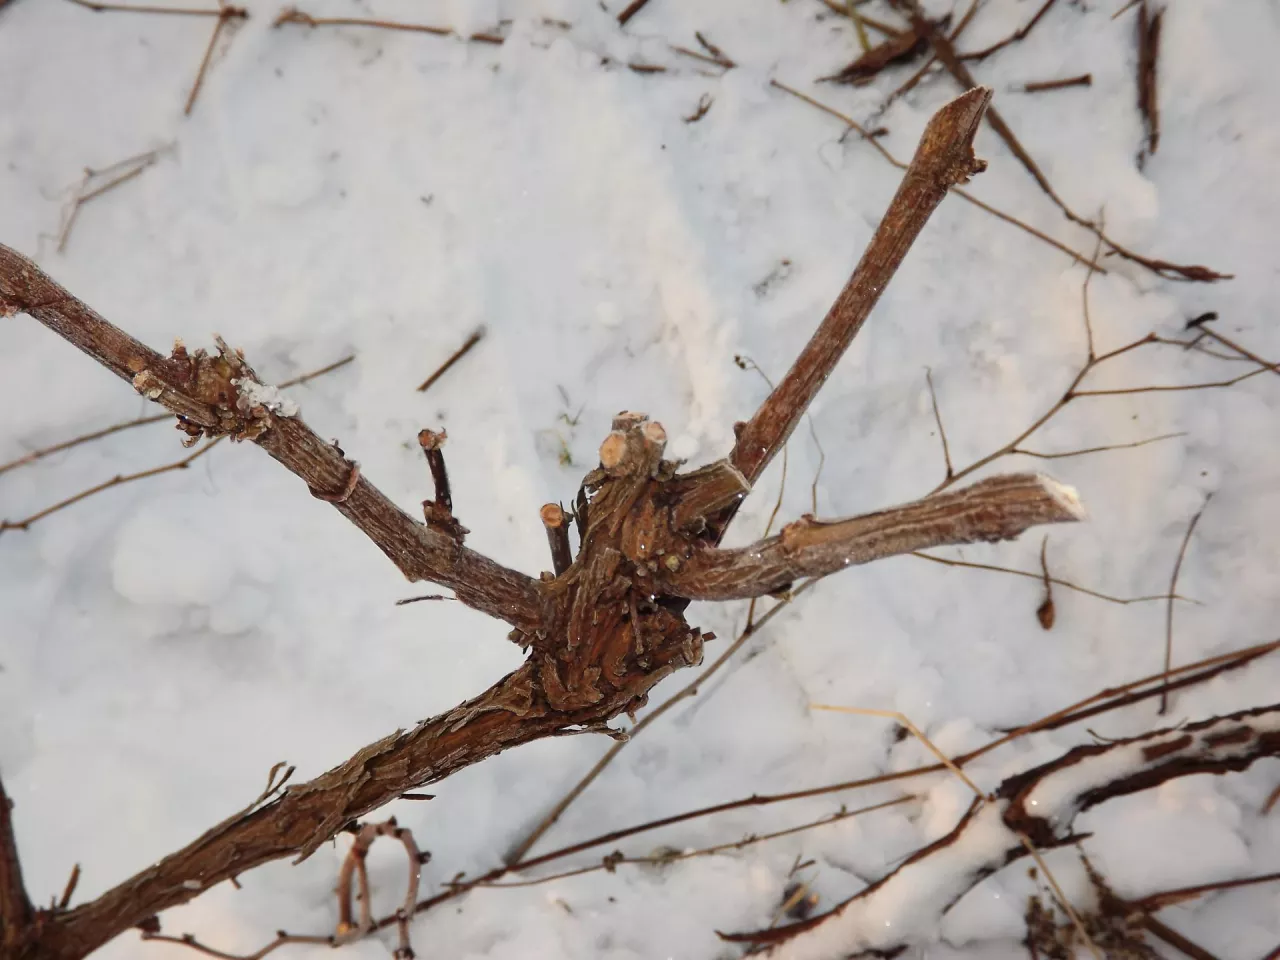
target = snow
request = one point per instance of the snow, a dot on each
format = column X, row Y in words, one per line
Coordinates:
column 348, row 190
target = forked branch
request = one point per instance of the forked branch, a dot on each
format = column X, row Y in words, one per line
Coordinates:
column 1035, row 808
column 218, row 395
column 605, row 628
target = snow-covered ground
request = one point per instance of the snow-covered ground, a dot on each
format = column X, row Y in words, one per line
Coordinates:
column 348, row 190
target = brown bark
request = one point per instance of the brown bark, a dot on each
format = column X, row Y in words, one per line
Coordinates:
column 996, row 509
column 943, row 159
column 600, row 633
column 15, row 907
column 199, row 390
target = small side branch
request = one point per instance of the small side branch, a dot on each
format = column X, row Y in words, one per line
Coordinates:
column 947, row 55
column 1173, row 588
column 557, row 527
column 15, row 907
column 354, row 865
column 476, row 336
column 432, row 442
column 998, row 508
column 1148, row 55
column 212, row 398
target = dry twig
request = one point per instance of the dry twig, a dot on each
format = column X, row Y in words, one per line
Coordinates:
column 950, row 59
column 225, row 16
column 1083, row 80
column 1148, row 30
column 476, row 336
column 964, row 194
column 1015, row 37
column 43, row 452
column 1173, row 588
column 97, row 182
column 1033, row 810
column 292, row 15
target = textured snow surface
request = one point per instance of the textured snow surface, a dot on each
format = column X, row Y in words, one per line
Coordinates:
column 359, row 191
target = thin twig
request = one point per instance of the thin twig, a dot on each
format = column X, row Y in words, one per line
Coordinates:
column 1062, row 897
column 1271, row 801
column 69, row 890
column 292, row 15
column 946, row 53
column 1173, row 588
column 476, row 336
column 964, row 194
column 1016, row 36
column 919, row 734
column 1243, row 351
column 282, row 939
column 228, row 13
column 704, row 57
column 1063, row 454
column 950, row 562
column 1166, row 898
column 88, row 189
column 43, row 452
column 937, row 416
column 118, row 480
column 1046, row 613
column 612, row 861
column 144, row 8
column 1039, row 86
column 630, row 10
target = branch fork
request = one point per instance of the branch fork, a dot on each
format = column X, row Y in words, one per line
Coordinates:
column 600, row 631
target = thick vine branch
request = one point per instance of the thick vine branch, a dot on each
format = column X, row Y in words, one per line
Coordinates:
column 998, row 508
column 15, row 907
column 202, row 392
column 1036, row 807
column 943, row 159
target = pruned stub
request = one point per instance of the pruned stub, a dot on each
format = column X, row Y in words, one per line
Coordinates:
column 610, row 633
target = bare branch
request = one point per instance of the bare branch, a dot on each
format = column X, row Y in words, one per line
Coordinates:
column 946, row 53
column 1039, row 805
column 959, row 192
column 557, row 526
column 998, row 508
column 43, row 452
column 15, row 908
column 1173, row 588
column 203, row 392
column 943, row 158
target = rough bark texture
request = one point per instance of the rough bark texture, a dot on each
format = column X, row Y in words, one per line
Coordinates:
column 996, row 509
column 600, row 632
column 15, row 908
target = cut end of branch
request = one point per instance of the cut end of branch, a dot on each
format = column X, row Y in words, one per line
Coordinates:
column 956, row 126
column 1065, row 497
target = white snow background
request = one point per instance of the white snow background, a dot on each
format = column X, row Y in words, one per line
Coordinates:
column 354, row 190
